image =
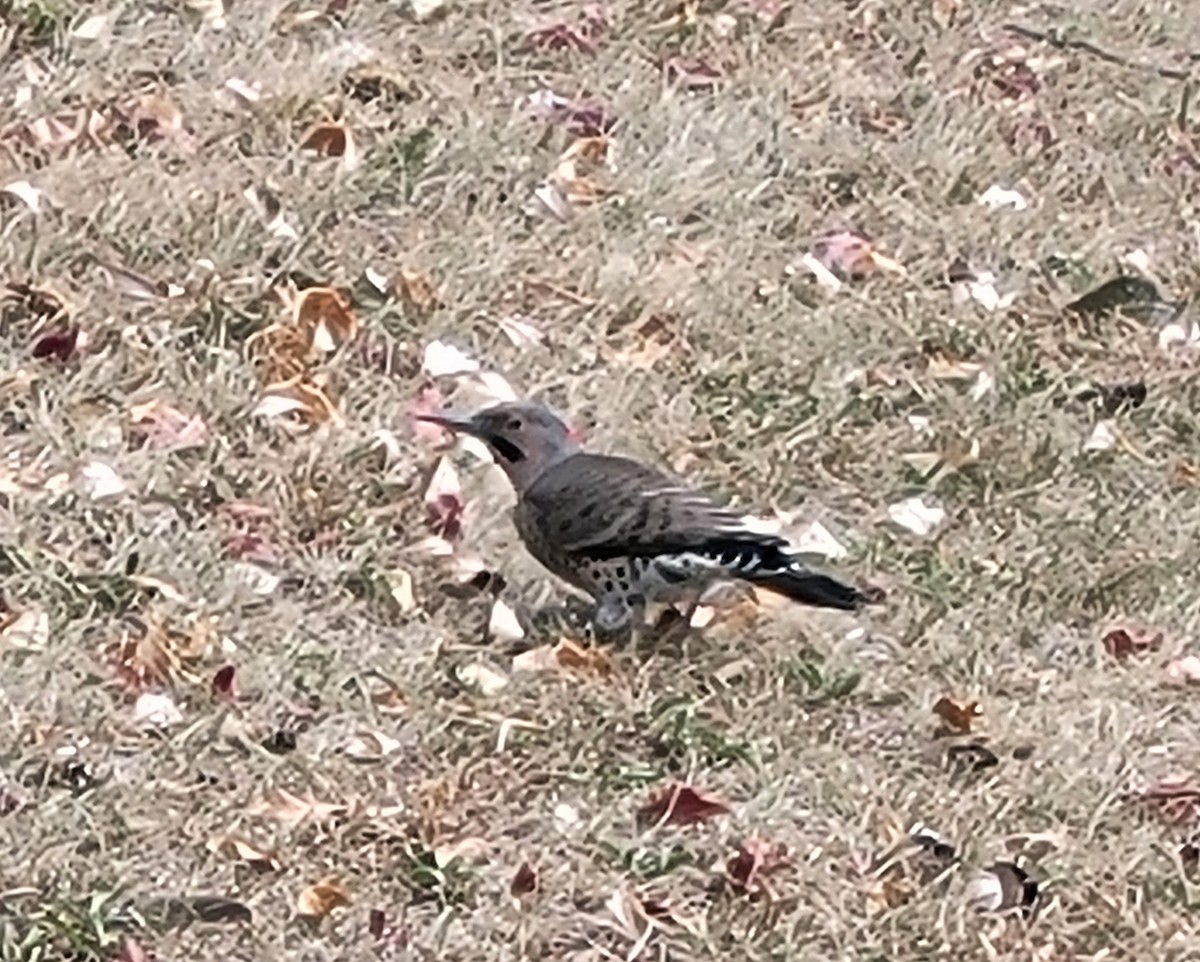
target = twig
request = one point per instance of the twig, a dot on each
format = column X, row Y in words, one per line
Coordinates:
column 1060, row 42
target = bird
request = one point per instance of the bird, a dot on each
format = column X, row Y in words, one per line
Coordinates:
column 625, row 533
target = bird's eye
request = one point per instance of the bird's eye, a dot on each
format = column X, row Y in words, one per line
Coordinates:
column 514, row 424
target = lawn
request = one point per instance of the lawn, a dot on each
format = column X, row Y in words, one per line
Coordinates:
column 909, row 278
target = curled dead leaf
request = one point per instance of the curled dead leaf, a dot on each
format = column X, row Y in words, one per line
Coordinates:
column 242, row 849
column 1122, row 644
column 754, row 861
column 524, row 881
column 680, row 804
column 332, row 140
column 959, row 715
column 325, row 316
column 297, row 398
column 319, row 899
column 417, row 290
column 292, row 809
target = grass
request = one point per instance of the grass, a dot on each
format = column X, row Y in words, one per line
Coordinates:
column 678, row 327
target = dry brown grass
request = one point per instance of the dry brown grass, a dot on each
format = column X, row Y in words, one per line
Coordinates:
column 870, row 116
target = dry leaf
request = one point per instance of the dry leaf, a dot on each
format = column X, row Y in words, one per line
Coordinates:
column 1184, row 670
column 156, row 710
column 318, row 900
column 1175, row 799
column 224, row 683
column 418, row 291
column 588, row 661
column 97, row 480
column 371, row 746
column 958, row 714
column 1122, row 644
column 524, row 881
column 333, row 140
column 297, row 397
column 445, row 360
column 479, row 676
column 167, row 428
column 325, row 317
column 520, row 332
column 680, row 804
column 243, row 850
column 291, row 810
column 850, row 256
column 444, row 504
column 503, row 624
column 755, row 859
column 920, row 515
column 26, row 193
column 28, row 631
column 470, row 849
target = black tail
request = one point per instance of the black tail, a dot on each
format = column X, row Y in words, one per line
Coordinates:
column 766, row 562
column 809, row 588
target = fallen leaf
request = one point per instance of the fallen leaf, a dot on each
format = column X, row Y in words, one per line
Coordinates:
column 958, row 714
column 1103, row 437
column 503, row 624
column 321, row 898
column 996, row 197
column 371, row 746
column 27, row 631
column 560, row 36
column 680, row 804
column 418, row 291
column 98, row 480
column 156, row 710
column 691, row 73
column 325, row 316
column 524, row 881
column 850, row 256
column 520, row 332
column 444, row 504
column 754, row 860
column 1176, row 799
column 445, row 360
column 1122, row 644
column 291, row 810
column 26, row 193
column 224, row 683
column 470, row 849
column 400, row 586
column 243, row 850
column 920, row 515
column 297, row 397
column 479, row 676
column 1184, row 670
column 632, row 920
column 62, row 341
column 816, row 539
column 588, row 661
column 165, row 427
column 332, row 140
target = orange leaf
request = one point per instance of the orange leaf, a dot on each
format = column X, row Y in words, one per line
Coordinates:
column 321, row 898
column 325, row 316
column 681, row 805
column 959, row 715
column 417, row 290
column 590, row 661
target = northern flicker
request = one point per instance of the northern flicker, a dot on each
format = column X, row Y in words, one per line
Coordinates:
column 627, row 534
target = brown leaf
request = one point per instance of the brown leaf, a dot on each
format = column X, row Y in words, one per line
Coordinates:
column 61, row 341
column 332, row 140
column 680, row 804
column 417, row 290
column 755, row 859
column 587, row 661
column 321, row 898
column 224, row 683
column 958, row 714
column 524, row 882
column 325, row 316
column 300, row 398
column 243, row 850
column 1121, row 644
column 292, row 809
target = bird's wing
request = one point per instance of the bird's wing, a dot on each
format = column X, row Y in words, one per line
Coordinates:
column 613, row 506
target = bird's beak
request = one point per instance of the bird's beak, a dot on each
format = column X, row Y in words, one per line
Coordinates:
column 453, row 421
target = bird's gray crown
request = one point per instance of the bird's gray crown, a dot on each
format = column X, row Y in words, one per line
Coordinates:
column 524, row 437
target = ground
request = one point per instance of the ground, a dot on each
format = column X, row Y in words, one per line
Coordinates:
column 202, row 613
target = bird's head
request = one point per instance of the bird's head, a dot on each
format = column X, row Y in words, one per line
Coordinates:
column 525, row 438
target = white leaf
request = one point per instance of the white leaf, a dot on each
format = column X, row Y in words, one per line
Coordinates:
column 446, row 360
column 29, row 631
column 550, row 197
column 247, row 94
column 156, row 710
column 98, row 480
column 917, row 515
column 254, row 578
column 1179, row 334
column 93, row 27
column 996, row 197
column 1102, row 438
column 503, row 624
column 486, row 680
column 495, row 387
column 817, row 539
column 276, row 406
column 518, row 330
column 443, row 483
column 983, row 385
column 378, row 282
column 26, row 193
column 371, row 746
column 423, row 10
